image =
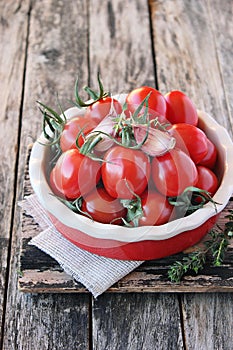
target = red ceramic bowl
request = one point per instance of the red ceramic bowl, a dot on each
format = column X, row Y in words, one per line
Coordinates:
column 140, row 243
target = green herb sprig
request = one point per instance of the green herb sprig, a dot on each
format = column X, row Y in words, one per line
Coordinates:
column 216, row 246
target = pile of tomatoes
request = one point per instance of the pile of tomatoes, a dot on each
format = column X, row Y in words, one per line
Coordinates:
column 104, row 173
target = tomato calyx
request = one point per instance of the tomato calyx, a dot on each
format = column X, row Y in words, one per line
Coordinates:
column 134, row 209
column 93, row 95
column 191, row 199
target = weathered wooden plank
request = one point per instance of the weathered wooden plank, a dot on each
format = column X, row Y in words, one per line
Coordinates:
column 57, row 50
column 135, row 321
column 120, row 44
column 48, row 322
column 208, row 321
column 186, row 57
column 13, row 33
column 221, row 24
column 192, row 41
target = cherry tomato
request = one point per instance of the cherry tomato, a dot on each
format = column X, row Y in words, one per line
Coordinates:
column 125, row 171
column 102, row 207
column 72, row 129
column 156, row 209
column 74, row 175
column 156, row 103
column 190, row 139
column 180, row 109
column 210, row 158
column 102, row 108
column 173, row 172
column 207, row 180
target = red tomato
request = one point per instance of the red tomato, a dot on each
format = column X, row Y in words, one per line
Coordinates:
column 156, row 102
column 207, row 180
column 72, row 129
column 102, row 207
column 102, row 108
column 173, row 172
column 210, row 158
column 180, row 109
column 124, row 168
column 74, row 175
column 156, row 209
column 190, row 139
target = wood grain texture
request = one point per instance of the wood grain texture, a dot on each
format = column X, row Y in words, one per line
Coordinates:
column 186, row 57
column 221, row 24
column 49, row 322
column 13, row 33
column 120, row 44
column 210, row 319
column 193, row 45
column 57, row 45
column 135, row 321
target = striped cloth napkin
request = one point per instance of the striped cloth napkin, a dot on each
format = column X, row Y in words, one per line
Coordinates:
column 96, row 273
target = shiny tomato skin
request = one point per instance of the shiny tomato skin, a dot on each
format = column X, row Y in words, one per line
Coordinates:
column 75, row 175
column 72, row 129
column 210, row 158
column 173, row 172
column 207, row 180
column 156, row 103
column 102, row 207
column 124, row 168
column 53, row 184
column 180, row 109
column 190, row 139
column 102, row 108
column 156, row 208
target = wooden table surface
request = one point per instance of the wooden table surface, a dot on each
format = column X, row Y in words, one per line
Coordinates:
column 44, row 45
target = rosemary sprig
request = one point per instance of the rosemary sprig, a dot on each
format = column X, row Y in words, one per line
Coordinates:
column 93, row 95
column 216, row 246
column 54, row 121
column 74, row 205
